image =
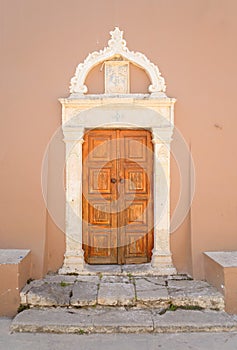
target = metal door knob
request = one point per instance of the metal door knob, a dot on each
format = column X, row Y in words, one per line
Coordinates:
column 121, row 181
column 113, row 180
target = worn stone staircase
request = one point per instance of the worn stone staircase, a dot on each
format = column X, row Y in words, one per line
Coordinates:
column 121, row 303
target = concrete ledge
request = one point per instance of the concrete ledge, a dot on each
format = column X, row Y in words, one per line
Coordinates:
column 15, row 265
column 221, row 272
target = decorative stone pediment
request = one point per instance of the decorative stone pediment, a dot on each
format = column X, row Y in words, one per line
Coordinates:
column 117, row 47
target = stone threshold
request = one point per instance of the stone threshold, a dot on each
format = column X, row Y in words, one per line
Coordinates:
column 121, row 320
column 124, row 270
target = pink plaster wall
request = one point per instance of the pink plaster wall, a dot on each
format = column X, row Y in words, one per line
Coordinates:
column 193, row 42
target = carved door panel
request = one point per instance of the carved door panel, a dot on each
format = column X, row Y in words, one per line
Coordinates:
column 99, row 192
column 136, row 220
column 117, row 203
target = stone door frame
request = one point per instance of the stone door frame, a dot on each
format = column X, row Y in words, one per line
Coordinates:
column 153, row 111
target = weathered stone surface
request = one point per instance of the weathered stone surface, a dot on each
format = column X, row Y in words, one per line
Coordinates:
column 102, row 269
column 116, row 279
column 105, row 320
column 196, row 293
column 145, row 341
column 88, row 279
column 23, row 294
column 53, row 321
column 140, row 269
column 60, row 278
column 120, row 320
column 151, row 292
column 178, row 277
column 146, row 270
column 190, row 285
column 49, row 294
column 84, row 294
column 147, row 283
column 194, row 321
column 25, row 290
column 116, row 294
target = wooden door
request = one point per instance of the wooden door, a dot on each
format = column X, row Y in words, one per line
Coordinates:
column 117, row 196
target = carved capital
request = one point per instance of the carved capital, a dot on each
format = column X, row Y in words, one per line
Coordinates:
column 73, row 134
column 162, row 135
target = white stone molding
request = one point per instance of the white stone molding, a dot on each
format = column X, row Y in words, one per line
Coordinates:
column 74, row 255
column 117, row 46
column 162, row 135
column 153, row 114
column 161, row 255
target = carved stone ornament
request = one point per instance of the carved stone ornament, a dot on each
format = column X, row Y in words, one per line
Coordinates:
column 163, row 152
column 117, row 46
column 116, row 77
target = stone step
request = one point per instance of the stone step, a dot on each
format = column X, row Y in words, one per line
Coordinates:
column 139, row 291
column 121, row 320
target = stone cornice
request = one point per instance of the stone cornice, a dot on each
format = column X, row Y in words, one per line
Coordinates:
column 102, row 99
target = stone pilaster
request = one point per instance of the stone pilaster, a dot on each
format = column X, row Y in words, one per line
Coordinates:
column 161, row 255
column 74, row 255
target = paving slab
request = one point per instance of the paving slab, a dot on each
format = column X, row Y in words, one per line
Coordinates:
column 148, row 283
column 59, row 320
column 88, row 279
column 49, row 294
column 196, row 293
column 145, row 270
column 151, row 292
column 194, row 321
column 190, row 286
column 138, row 269
column 27, row 287
column 116, row 294
column 102, row 269
column 59, row 278
column 120, row 320
column 116, row 279
column 84, row 294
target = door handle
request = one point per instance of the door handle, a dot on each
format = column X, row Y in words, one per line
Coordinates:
column 113, row 180
column 121, row 181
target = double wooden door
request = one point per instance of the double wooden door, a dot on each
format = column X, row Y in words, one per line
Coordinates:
column 117, row 196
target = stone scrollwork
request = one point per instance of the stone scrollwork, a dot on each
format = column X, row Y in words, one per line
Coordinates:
column 117, row 46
